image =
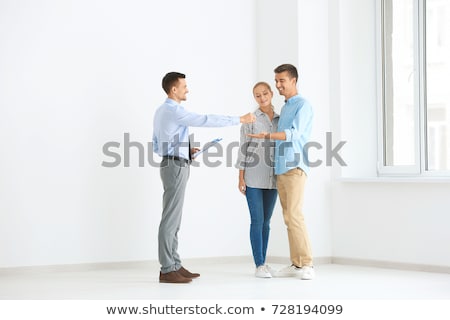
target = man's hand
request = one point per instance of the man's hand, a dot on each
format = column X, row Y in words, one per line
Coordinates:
column 193, row 151
column 248, row 118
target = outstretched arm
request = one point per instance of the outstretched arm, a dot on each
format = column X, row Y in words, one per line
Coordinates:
column 248, row 118
column 193, row 119
column 269, row 135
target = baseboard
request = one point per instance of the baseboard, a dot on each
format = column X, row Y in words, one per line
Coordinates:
column 80, row 267
column 150, row 264
column 153, row 264
column 390, row 265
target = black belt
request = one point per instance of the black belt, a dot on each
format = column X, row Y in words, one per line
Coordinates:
column 177, row 158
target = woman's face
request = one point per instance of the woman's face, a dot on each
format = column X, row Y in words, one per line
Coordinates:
column 263, row 95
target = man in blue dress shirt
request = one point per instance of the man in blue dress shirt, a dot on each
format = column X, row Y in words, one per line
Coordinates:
column 291, row 168
column 171, row 141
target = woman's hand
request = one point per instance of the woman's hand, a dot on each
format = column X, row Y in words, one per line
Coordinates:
column 261, row 135
column 194, row 151
column 242, row 186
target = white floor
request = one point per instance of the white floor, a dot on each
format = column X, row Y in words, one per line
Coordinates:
column 226, row 280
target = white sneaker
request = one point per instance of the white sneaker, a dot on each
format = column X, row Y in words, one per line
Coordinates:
column 271, row 270
column 289, row 271
column 308, row 273
column 262, row 272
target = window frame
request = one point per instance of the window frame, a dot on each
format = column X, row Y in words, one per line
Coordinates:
column 420, row 166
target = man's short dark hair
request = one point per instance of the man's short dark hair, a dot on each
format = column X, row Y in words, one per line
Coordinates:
column 170, row 80
column 292, row 70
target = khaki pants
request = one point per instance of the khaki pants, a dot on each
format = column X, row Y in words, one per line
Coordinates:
column 291, row 189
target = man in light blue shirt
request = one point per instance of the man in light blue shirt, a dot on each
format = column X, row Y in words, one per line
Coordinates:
column 296, row 125
column 291, row 168
column 171, row 141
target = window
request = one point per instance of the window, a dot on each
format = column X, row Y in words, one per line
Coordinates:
column 414, row 87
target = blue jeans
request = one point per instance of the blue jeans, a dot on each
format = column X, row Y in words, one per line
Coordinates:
column 260, row 204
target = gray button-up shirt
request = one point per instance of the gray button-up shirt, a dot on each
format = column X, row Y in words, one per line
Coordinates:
column 256, row 156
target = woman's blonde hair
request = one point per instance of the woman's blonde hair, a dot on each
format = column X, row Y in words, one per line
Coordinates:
column 262, row 83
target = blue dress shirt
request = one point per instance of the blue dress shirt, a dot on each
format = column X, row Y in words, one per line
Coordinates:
column 296, row 121
column 171, row 128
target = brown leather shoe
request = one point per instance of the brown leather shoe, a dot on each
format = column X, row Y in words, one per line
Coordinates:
column 173, row 277
column 187, row 274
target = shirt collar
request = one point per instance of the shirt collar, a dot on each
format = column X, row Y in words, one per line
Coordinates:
column 293, row 99
column 172, row 102
column 258, row 113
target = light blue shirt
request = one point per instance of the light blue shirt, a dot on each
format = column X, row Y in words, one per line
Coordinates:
column 171, row 128
column 296, row 121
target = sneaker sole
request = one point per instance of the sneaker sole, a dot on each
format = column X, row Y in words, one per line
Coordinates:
column 287, row 275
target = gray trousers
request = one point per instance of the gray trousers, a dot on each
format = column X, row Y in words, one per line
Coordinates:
column 174, row 176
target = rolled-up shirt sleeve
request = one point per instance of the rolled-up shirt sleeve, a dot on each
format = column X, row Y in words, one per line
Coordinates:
column 302, row 121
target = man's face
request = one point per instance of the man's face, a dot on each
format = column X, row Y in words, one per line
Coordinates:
column 180, row 90
column 285, row 85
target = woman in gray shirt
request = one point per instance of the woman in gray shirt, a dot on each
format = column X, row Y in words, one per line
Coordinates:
column 257, row 180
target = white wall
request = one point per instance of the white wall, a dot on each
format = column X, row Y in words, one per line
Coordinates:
column 77, row 74
column 396, row 222
column 357, row 80
column 277, row 39
column 392, row 222
column 74, row 76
